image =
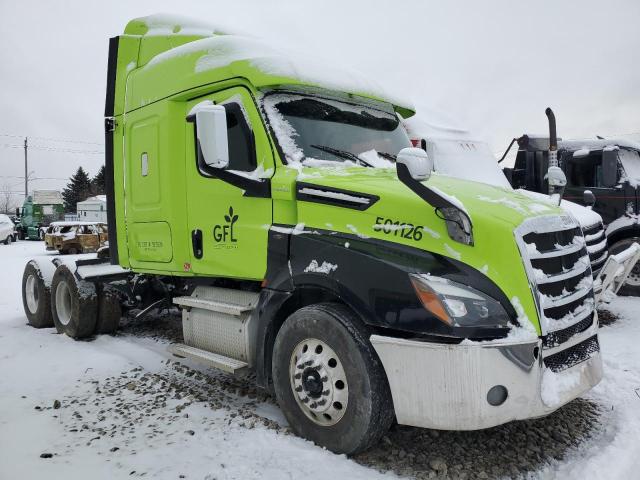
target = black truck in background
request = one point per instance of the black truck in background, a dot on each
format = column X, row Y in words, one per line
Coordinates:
column 604, row 173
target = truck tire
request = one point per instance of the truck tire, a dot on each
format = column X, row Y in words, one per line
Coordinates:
column 632, row 285
column 74, row 304
column 109, row 311
column 7, row 241
column 36, row 298
column 329, row 382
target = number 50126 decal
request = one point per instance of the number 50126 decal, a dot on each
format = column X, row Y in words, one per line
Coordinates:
column 398, row 228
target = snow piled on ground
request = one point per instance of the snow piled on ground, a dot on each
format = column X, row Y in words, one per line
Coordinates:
column 197, row 440
column 38, row 367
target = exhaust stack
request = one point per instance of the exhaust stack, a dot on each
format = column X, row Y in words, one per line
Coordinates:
column 553, row 142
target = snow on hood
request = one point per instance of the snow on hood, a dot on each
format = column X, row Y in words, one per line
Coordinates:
column 585, row 216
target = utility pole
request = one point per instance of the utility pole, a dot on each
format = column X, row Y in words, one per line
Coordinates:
column 26, row 177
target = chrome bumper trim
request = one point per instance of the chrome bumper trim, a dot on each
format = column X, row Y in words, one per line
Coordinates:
column 445, row 386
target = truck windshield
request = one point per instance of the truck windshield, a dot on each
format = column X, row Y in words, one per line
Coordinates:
column 318, row 131
column 631, row 163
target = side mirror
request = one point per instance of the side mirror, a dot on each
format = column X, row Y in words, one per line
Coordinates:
column 589, row 198
column 211, row 124
column 416, row 161
column 610, row 167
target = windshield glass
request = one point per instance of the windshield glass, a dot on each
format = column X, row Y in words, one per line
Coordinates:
column 631, row 163
column 319, row 131
column 466, row 159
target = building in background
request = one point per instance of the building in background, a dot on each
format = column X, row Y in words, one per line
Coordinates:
column 93, row 209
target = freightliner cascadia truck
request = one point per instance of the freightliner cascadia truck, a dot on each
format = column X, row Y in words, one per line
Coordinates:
column 279, row 203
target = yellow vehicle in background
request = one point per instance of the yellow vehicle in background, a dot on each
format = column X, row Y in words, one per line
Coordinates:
column 76, row 237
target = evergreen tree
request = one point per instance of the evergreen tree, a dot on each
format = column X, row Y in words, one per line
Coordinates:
column 97, row 183
column 77, row 190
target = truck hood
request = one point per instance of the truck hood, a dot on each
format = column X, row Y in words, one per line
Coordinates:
column 400, row 216
column 479, row 200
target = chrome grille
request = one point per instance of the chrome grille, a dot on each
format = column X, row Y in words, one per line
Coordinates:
column 559, row 270
column 573, row 355
column 596, row 246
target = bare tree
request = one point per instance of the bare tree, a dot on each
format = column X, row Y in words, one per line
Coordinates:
column 7, row 202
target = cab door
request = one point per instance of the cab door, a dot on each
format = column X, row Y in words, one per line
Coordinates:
column 230, row 210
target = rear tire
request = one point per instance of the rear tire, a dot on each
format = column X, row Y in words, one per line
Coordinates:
column 36, row 298
column 632, row 286
column 109, row 311
column 74, row 304
column 343, row 361
column 8, row 240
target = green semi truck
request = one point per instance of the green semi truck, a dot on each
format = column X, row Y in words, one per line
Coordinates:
column 278, row 202
column 37, row 212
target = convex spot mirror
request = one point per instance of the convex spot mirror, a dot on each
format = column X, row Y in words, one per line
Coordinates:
column 416, row 161
column 211, row 124
column 588, row 198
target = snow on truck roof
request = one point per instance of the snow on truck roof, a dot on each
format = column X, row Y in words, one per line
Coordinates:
column 73, row 224
column 599, row 144
column 218, row 56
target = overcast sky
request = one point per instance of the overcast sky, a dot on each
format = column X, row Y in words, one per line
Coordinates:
column 492, row 66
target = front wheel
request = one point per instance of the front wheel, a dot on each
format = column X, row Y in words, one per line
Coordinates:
column 632, row 286
column 329, row 381
column 8, row 240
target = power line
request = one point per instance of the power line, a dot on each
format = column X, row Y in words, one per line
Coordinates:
column 54, row 149
column 52, row 139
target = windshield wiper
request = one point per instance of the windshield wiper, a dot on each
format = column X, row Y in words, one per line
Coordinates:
column 342, row 153
column 388, row 156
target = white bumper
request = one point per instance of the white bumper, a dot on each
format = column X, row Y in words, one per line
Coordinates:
column 446, row 386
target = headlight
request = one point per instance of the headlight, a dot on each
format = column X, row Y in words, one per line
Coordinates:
column 458, row 224
column 458, row 305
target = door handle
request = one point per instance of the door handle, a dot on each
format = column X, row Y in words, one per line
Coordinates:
column 196, row 243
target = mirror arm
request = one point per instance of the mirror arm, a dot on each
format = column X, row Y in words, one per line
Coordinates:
column 420, row 189
column 260, row 188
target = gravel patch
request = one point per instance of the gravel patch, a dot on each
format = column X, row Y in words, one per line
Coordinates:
column 140, row 404
column 605, row 317
column 514, row 450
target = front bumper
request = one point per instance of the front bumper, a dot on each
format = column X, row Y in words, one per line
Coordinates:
column 446, row 386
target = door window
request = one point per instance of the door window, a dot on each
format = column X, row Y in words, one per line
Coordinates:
column 242, row 155
column 586, row 171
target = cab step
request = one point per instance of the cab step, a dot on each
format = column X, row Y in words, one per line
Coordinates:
column 222, row 300
column 227, row 364
column 217, row 321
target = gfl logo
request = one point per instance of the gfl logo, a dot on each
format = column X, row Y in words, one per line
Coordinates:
column 224, row 233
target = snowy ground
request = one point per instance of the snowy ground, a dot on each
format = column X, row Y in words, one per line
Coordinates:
column 126, row 409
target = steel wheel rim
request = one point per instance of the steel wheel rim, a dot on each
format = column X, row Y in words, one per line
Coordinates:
column 318, row 382
column 31, row 293
column 634, row 276
column 63, row 302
